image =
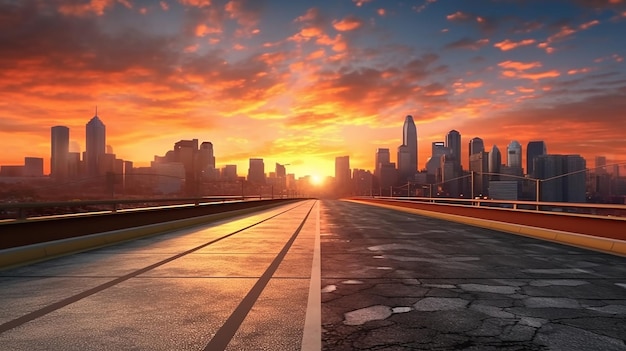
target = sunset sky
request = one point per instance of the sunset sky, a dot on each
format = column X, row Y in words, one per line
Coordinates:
column 301, row 82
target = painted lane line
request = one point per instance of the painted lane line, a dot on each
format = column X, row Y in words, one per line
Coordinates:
column 312, row 335
column 224, row 335
column 74, row 298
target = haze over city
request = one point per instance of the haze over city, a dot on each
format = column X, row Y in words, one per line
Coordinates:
column 301, row 83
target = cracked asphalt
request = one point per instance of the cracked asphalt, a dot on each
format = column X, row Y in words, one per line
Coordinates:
column 397, row 281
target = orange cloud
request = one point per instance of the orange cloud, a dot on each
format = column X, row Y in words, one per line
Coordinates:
column 507, row 44
column 578, row 71
column 348, row 23
column 94, row 6
column 519, row 66
column 196, row 3
column 360, row 3
column 515, row 69
column 458, row 16
column 202, row 30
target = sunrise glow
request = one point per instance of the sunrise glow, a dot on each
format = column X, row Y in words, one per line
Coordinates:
column 303, row 82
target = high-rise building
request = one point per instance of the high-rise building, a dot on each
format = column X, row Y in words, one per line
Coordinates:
column 404, row 164
column 256, row 171
column 479, row 165
column 453, row 142
column 362, row 180
column 534, row 149
column 495, row 161
column 60, row 148
column 409, row 138
column 95, row 137
column 600, row 166
column 476, row 145
column 33, row 167
column 343, row 179
column 206, row 161
column 433, row 165
column 514, row 155
column 382, row 158
column 563, row 176
column 229, row 172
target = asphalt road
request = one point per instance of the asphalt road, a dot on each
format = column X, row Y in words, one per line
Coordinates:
column 398, row 281
column 241, row 284
column 387, row 280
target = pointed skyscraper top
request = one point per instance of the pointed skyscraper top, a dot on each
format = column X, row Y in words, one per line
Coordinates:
column 96, row 115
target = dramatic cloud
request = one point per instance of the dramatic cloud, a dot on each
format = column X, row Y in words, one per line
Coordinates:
column 347, row 24
column 507, row 44
column 299, row 84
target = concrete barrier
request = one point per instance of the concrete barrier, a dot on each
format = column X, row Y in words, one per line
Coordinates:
column 27, row 254
column 586, row 241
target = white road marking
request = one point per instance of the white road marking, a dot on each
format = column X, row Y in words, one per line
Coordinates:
column 312, row 336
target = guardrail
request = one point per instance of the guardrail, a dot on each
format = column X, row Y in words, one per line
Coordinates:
column 32, row 210
column 16, row 233
column 605, row 233
column 615, row 210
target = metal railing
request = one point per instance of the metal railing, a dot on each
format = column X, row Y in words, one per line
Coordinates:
column 613, row 210
column 31, row 210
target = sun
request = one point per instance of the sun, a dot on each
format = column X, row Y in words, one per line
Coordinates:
column 316, row 180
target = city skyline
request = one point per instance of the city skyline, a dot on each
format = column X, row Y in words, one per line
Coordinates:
column 333, row 79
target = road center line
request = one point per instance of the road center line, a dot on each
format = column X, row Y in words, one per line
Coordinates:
column 312, row 335
column 69, row 300
column 224, row 335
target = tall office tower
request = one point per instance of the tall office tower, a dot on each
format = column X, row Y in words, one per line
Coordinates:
column 362, row 181
column 404, row 164
column 514, row 158
column 206, row 161
column 409, row 138
column 600, row 167
column 453, row 142
column 256, row 171
column 476, row 145
column 95, row 135
column 564, row 177
column 229, row 172
column 433, row 165
column 479, row 164
column 495, row 161
column 33, row 167
column 576, row 181
column 382, row 158
column 343, row 181
column 186, row 152
column 60, row 149
column 534, row 149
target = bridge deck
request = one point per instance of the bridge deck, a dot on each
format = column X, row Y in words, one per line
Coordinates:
column 389, row 280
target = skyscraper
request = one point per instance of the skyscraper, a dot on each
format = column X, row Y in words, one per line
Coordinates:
column 256, row 171
column 404, row 163
column 382, row 158
column 476, row 145
column 453, row 142
column 60, row 149
column 409, row 138
column 557, row 186
column 495, row 160
column 533, row 150
column 514, row 155
column 342, row 175
column 95, row 135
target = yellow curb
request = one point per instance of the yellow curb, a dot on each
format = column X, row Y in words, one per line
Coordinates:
column 43, row 251
column 606, row 245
